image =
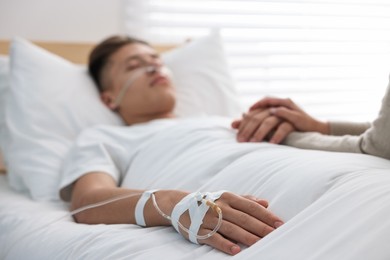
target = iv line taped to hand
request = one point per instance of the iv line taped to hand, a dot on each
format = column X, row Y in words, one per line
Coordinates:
column 190, row 203
column 196, row 212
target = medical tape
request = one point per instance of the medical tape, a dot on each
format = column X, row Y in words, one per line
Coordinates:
column 196, row 217
column 201, row 211
column 197, row 211
column 139, row 208
column 180, row 208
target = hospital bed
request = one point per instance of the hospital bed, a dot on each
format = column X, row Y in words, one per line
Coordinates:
column 335, row 205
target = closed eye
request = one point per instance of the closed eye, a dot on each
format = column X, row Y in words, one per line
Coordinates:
column 132, row 67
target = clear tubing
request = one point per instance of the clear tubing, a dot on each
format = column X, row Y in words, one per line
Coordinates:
column 211, row 204
column 137, row 73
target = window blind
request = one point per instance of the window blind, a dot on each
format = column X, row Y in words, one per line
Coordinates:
column 330, row 56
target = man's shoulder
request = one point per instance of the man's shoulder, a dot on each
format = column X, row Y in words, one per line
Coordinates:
column 100, row 130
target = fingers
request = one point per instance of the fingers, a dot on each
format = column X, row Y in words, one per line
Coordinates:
column 262, row 202
column 250, row 123
column 287, row 110
column 266, row 127
column 245, row 221
column 253, row 209
column 256, row 126
column 249, row 229
column 250, row 208
column 283, row 130
column 274, row 102
column 236, row 123
column 287, row 114
column 219, row 242
column 247, row 234
column 299, row 119
column 238, row 234
column 259, row 123
column 262, row 103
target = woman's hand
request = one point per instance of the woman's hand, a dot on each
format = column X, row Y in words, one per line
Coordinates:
column 287, row 110
column 246, row 220
column 274, row 119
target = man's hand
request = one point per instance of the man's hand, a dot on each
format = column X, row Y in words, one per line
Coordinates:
column 259, row 124
column 246, row 220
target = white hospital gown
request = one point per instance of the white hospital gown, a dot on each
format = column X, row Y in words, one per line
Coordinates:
column 107, row 149
column 120, row 151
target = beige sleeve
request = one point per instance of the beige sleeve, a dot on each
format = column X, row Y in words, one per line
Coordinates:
column 317, row 141
column 348, row 128
column 344, row 137
column 370, row 139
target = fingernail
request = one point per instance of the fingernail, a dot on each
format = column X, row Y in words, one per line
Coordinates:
column 253, row 140
column 262, row 202
column 241, row 139
column 278, row 224
column 235, row 249
column 272, row 110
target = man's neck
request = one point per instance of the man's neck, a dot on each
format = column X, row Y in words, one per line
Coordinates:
column 138, row 119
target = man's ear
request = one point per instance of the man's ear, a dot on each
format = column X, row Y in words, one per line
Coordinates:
column 108, row 100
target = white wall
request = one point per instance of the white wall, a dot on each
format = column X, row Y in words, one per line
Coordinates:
column 60, row 20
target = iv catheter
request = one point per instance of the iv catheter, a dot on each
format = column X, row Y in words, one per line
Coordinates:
column 209, row 203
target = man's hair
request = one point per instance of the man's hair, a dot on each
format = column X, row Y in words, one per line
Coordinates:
column 100, row 55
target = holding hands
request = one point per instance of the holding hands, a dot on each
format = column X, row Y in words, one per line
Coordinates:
column 274, row 119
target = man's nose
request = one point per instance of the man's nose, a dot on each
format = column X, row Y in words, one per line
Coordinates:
column 151, row 69
column 154, row 68
column 154, row 62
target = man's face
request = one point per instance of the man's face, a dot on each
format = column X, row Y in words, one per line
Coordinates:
column 134, row 91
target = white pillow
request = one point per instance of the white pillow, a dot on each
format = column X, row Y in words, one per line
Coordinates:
column 51, row 100
column 203, row 80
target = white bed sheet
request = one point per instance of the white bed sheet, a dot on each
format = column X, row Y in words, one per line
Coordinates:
column 41, row 230
column 336, row 206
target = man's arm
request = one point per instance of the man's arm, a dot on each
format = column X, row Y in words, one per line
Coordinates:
column 95, row 187
column 245, row 219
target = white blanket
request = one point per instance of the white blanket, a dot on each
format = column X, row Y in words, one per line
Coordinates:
column 335, row 205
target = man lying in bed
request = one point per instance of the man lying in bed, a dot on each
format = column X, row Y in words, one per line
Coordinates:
column 133, row 81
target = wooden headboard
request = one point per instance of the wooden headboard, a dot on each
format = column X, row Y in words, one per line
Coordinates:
column 74, row 52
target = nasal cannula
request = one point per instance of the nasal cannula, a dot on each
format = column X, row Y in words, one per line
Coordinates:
column 136, row 74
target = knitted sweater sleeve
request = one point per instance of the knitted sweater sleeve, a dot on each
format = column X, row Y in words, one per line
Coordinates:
column 348, row 128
